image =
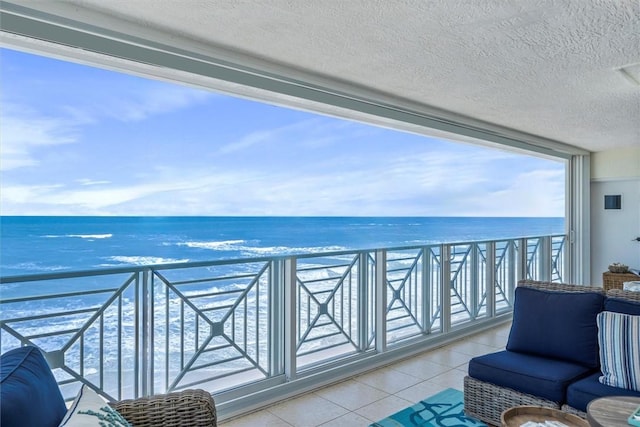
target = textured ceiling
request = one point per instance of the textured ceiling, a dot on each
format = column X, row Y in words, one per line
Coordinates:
column 545, row 67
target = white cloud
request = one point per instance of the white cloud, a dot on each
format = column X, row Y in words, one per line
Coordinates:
column 424, row 186
column 147, row 101
column 24, row 194
column 311, row 133
column 88, row 181
column 23, row 131
column 534, row 193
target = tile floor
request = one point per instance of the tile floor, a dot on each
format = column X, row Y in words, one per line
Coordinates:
column 366, row 398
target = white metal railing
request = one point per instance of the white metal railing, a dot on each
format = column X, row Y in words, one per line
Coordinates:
column 250, row 324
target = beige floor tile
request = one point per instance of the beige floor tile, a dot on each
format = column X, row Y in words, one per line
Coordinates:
column 349, row 420
column 308, row 410
column 388, row 380
column 351, row 394
column 503, row 330
column 453, row 378
column 471, row 348
column 256, row 419
column 420, row 391
column 464, row 367
column 383, row 408
column 491, row 339
column 448, row 357
column 420, row 367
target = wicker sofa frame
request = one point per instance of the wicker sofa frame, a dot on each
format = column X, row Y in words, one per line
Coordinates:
column 486, row 401
column 188, row 408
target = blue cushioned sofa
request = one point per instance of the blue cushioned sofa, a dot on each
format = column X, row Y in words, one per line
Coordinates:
column 552, row 355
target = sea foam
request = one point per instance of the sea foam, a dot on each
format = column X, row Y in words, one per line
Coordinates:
column 80, row 236
column 142, row 260
column 223, row 245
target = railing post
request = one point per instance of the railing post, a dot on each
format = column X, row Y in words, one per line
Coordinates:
column 426, row 290
column 381, row 300
column 544, row 261
column 363, row 299
column 523, row 250
column 490, row 264
column 512, row 269
column 146, row 307
column 445, row 287
column 560, row 260
column 290, row 317
column 276, row 318
column 475, row 283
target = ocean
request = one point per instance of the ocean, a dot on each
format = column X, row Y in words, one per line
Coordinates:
column 47, row 244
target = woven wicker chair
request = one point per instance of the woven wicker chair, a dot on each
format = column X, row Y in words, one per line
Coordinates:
column 486, row 401
column 189, row 408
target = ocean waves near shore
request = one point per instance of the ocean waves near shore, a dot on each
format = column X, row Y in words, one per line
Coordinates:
column 52, row 244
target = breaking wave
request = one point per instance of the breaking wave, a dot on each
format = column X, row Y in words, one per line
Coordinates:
column 81, row 236
column 141, row 260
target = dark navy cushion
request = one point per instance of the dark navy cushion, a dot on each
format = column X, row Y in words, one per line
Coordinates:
column 29, row 395
column 526, row 373
column 560, row 325
column 622, row 306
column 581, row 392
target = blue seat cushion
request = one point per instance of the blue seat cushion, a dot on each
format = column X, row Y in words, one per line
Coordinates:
column 29, row 394
column 583, row 391
column 622, row 306
column 559, row 325
column 539, row 376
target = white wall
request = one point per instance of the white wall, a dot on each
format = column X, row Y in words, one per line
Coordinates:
column 615, row 172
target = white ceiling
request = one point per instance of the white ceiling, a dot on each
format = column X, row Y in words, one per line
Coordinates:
column 546, row 67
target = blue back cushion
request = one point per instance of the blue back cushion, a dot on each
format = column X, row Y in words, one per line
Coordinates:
column 619, row 305
column 560, row 325
column 29, row 394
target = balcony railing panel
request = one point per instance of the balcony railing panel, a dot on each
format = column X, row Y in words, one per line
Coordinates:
column 210, row 326
column 329, row 295
column 505, row 274
column 405, row 295
column 225, row 325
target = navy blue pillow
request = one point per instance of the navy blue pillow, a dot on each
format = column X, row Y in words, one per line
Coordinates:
column 622, row 306
column 560, row 325
column 29, row 394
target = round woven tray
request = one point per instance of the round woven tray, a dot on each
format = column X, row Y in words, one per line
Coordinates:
column 515, row 417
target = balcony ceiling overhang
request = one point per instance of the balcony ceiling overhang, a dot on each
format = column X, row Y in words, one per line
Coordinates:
column 567, row 71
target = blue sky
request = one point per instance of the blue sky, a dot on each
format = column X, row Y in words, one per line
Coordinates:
column 78, row 140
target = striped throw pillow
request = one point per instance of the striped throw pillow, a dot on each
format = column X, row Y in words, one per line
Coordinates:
column 619, row 340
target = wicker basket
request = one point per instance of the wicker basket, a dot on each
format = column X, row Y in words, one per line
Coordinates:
column 188, row 408
column 615, row 280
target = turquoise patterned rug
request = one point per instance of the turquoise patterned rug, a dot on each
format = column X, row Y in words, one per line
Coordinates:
column 441, row 410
